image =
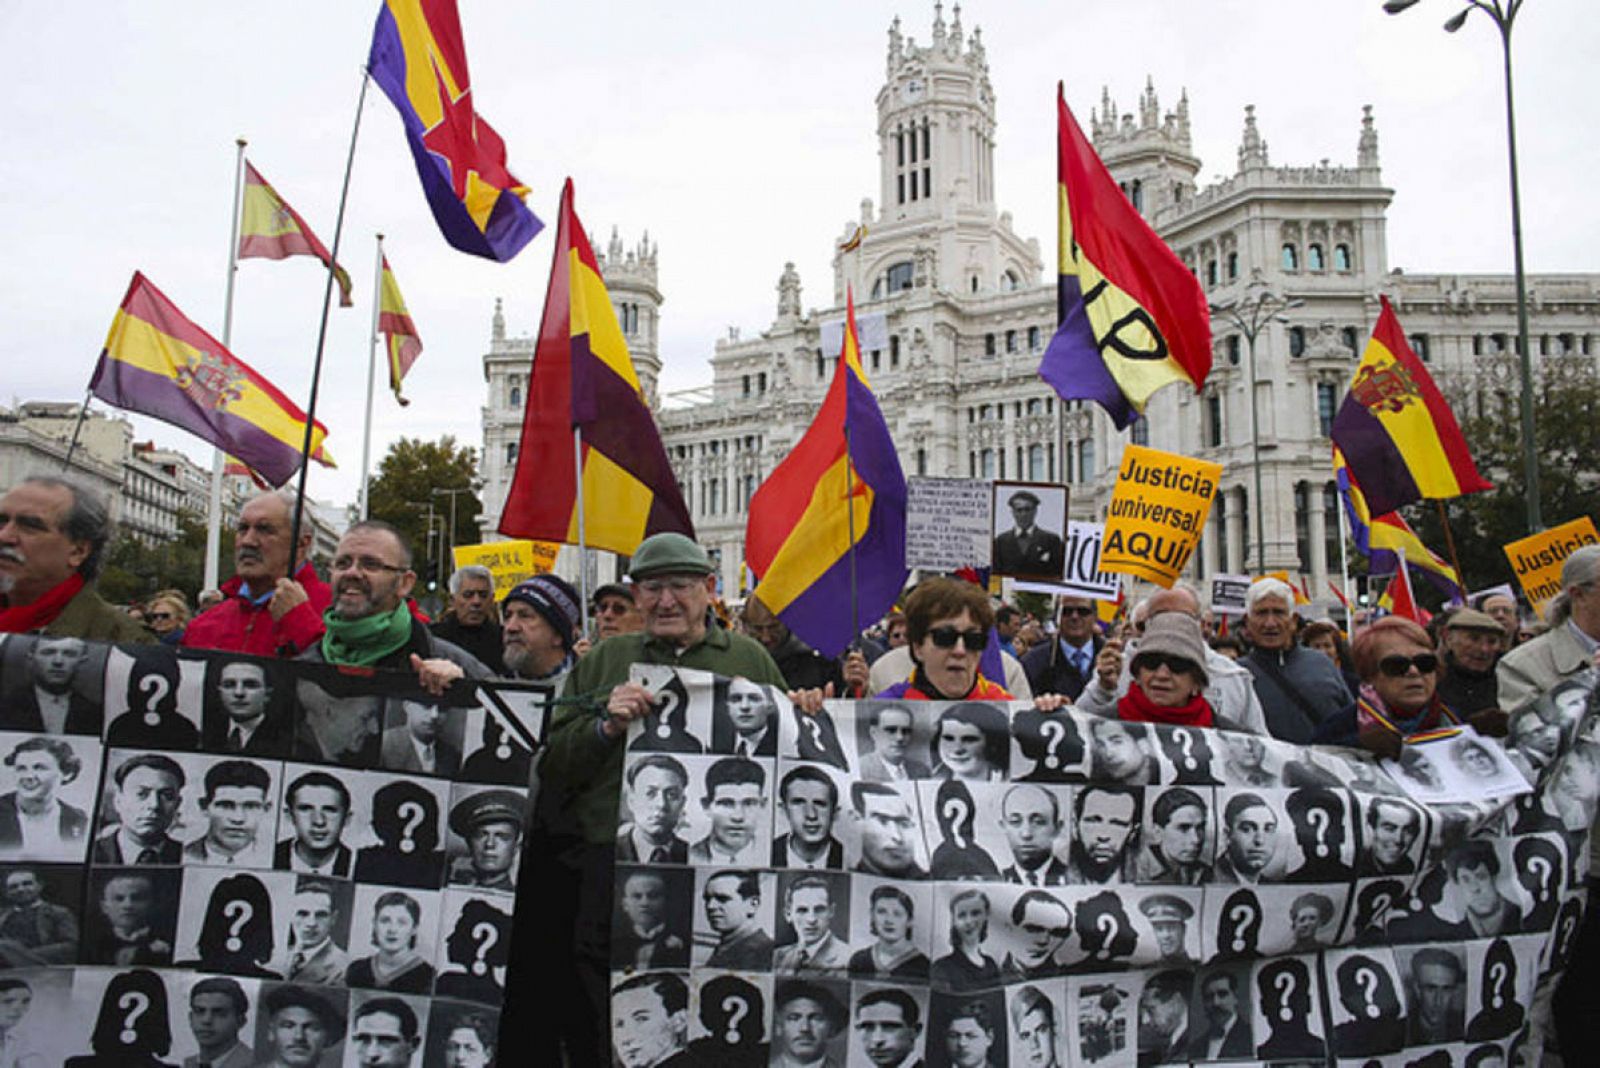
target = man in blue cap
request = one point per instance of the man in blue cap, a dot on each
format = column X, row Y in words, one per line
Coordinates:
column 575, row 825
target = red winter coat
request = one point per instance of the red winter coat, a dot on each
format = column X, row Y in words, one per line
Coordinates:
column 240, row 625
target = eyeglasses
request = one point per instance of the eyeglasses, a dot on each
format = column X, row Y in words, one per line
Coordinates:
column 613, row 608
column 159, row 615
column 1398, row 667
column 1082, row 611
column 1178, row 665
column 946, row 638
column 366, row 565
column 678, row 584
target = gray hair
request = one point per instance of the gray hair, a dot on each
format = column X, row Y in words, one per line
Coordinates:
column 387, row 528
column 477, row 571
column 1582, row 568
column 1262, row 589
column 89, row 519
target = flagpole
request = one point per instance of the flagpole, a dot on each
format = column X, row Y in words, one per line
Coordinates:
column 1344, row 574
column 322, row 332
column 372, row 373
column 83, row 412
column 583, row 541
column 214, row 508
column 1450, row 544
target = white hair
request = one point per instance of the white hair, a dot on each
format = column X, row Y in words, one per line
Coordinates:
column 1262, row 589
column 477, row 571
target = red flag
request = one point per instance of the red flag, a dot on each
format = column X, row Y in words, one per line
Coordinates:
column 1401, row 600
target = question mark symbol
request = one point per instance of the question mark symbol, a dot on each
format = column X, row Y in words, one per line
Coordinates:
column 1319, row 818
column 135, row 1004
column 1109, row 928
column 1054, row 731
column 1185, row 742
column 737, row 1009
column 486, row 935
column 815, row 729
column 1497, row 976
column 238, row 912
column 1367, row 980
column 155, row 689
column 669, row 706
column 1242, row 916
column 1382, row 901
column 1284, row 982
column 1541, row 869
column 955, row 810
column 412, row 814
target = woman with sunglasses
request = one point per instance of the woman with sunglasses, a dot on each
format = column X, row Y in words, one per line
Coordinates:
column 1169, row 677
column 947, row 628
column 1399, row 673
column 168, row 615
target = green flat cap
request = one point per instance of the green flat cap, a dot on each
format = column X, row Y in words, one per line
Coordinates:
column 669, row 553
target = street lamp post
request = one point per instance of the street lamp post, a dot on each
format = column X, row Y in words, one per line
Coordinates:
column 1249, row 315
column 1504, row 13
column 452, row 494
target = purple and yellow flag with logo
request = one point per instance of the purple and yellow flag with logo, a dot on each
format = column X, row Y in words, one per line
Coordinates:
column 1396, row 431
column 401, row 342
column 419, row 59
column 842, row 477
column 158, row 363
column 270, row 229
column 1132, row 317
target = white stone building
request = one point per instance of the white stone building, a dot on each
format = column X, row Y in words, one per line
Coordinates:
column 957, row 310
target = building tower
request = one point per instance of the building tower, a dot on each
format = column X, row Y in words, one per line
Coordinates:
column 630, row 278
column 1151, row 157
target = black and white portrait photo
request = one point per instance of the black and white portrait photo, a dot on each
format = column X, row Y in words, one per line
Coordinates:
column 813, row 931
column 650, row 927
column 734, row 919
column 407, row 825
column 152, row 700
column 392, row 938
column 139, row 809
column 1179, row 835
column 317, row 807
column 655, row 795
column 730, row 1021
column 47, row 793
column 53, row 685
column 422, row 737
column 132, row 916
column 248, row 708
column 474, row 947
column 231, row 926
column 810, row 830
column 39, row 920
column 1029, row 519
column 485, row 845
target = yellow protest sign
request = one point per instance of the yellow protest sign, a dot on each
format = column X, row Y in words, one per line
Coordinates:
column 509, row 561
column 1158, row 511
column 1537, row 559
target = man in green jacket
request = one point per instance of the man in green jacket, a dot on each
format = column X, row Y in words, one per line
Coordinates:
column 575, row 826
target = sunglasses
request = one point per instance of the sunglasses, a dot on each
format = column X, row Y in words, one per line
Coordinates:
column 159, row 615
column 1178, row 665
column 1082, row 611
column 1397, row 667
column 946, row 638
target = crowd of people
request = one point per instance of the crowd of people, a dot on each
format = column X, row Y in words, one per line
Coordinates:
column 1268, row 672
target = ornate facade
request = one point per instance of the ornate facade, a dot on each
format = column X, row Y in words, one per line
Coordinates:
column 956, row 310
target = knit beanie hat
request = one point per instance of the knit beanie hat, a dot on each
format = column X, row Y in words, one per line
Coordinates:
column 553, row 598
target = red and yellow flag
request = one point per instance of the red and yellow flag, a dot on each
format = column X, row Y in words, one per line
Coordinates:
column 270, row 229
column 401, row 342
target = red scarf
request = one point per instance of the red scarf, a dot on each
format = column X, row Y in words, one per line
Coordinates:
column 25, row 618
column 1136, row 707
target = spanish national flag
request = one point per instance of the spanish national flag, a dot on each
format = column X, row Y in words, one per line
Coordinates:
column 160, row 364
column 401, row 342
column 1395, row 429
column 270, row 229
column 583, row 379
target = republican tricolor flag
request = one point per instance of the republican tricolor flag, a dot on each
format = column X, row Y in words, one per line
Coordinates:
column 158, row 363
column 583, row 380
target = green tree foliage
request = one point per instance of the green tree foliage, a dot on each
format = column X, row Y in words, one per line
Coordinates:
column 1567, row 439
column 414, row 473
column 134, row 570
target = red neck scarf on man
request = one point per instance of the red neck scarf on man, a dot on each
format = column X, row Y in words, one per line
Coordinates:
column 1136, row 707
column 22, row 619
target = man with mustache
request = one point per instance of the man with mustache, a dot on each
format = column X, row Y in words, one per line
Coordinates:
column 273, row 605
column 53, row 535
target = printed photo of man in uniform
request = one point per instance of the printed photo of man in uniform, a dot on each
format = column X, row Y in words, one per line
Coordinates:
column 490, row 823
column 1026, row 549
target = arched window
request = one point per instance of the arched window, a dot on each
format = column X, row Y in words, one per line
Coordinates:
column 1137, row 195
column 1297, row 341
column 516, row 396
column 1341, row 257
column 1211, row 272
column 511, row 452
column 1085, row 459
column 1232, row 345
column 1352, row 340
column 898, row 277
column 1233, row 266
column 1291, row 258
column 1010, row 282
column 1314, row 259
column 1036, row 463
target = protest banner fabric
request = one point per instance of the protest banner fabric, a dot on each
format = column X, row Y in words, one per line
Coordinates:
column 1536, row 560
column 1158, row 512
column 1078, row 886
column 509, row 561
column 282, row 832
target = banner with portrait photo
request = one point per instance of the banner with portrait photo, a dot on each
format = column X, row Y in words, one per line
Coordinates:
column 214, row 858
column 975, row 883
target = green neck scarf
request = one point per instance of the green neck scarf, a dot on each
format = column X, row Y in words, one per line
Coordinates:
column 363, row 642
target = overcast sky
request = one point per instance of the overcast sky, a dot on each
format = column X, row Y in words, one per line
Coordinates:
column 739, row 134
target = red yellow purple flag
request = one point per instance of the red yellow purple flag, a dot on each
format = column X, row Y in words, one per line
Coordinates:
column 1398, row 435
column 160, row 364
column 583, row 379
column 401, row 342
column 270, row 229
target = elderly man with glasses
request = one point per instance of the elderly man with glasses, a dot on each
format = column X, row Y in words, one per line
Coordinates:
column 574, row 839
